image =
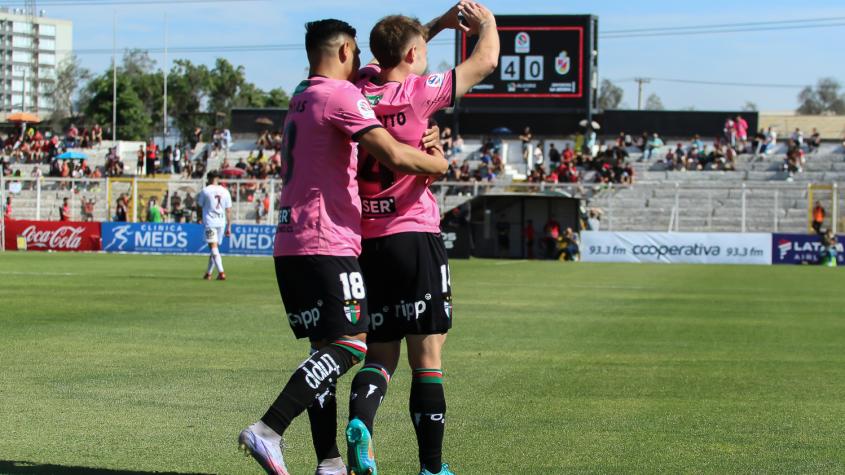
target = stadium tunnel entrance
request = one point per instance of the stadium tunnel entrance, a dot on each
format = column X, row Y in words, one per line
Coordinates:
column 509, row 225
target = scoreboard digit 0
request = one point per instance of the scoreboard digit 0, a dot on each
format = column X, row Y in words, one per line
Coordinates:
column 545, row 63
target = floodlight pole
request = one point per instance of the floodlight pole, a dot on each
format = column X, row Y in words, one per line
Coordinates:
column 640, row 82
column 114, row 79
column 164, row 133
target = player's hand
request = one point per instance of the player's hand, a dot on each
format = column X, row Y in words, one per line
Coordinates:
column 476, row 16
column 450, row 19
column 431, row 137
column 437, row 152
column 228, row 231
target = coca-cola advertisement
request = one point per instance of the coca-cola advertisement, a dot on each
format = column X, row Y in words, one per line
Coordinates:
column 53, row 235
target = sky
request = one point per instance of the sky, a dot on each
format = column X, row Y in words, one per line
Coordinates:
column 790, row 57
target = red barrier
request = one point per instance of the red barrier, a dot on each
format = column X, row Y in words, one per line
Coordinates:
column 54, row 235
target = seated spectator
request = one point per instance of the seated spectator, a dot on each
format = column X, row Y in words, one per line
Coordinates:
column 620, row 139
column 676, row 159
column 497, row 166
column 815, row 141
column 770, row 141
column 97, row 134
column 569, row 246
column 828, row 254
column 72, row 136
column 654, row 143
column 241, row 164
column 458, row 144
column 697, row 143
column 798, row 137
column 729, row 162
column 628, row 174
column 7, row 210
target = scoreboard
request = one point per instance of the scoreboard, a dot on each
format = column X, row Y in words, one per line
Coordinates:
column 546, row 62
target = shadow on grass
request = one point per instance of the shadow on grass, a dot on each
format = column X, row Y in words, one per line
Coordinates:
column 13, row 467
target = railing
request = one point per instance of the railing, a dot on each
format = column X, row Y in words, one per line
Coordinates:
column 757, row 207
column 253, row 201
column 740, row 207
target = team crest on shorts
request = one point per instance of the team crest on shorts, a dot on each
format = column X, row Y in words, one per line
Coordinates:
column 352, row 309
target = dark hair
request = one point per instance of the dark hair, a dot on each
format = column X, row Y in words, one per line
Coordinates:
column 390, row 37
column 212, row 175
column 319, row 33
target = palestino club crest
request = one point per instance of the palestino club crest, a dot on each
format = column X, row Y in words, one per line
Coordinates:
column 352, row 310
column 563, row 63
column 522, row 43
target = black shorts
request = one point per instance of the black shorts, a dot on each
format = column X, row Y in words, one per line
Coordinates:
column 324, row 296
column 409, row 285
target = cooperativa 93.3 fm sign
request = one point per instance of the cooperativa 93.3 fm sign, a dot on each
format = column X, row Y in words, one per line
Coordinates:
column 544, row 63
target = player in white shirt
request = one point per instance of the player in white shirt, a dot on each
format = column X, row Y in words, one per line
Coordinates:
column 214, row 206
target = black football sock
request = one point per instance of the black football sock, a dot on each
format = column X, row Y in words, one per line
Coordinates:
column 428, row 413
column 323, row 416
column 368, row 390
column 313, row 377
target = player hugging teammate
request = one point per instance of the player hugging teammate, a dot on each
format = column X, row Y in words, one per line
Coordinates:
column 318, row 239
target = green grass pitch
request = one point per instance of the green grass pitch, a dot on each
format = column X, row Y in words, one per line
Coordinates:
column 116, row 364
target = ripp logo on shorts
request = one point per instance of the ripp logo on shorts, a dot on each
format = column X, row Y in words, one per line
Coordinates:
column 365, row 109
column 378, row 207
column 352, row 310
column 306, row 318
column 435, row 80
column 411, row 310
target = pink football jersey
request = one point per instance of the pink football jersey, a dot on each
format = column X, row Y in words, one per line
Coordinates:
column 394, row 202
column 320, row 207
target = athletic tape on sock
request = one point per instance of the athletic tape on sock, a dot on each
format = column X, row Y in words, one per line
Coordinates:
column 376, row 368
column 357, row 347
column 428, row 375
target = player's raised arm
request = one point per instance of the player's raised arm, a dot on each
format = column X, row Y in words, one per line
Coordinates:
column 446, row 21
column 485, row 56
column 400, row 157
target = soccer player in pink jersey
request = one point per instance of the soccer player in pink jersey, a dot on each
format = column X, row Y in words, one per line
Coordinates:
column 318, row 239
column 404, row 260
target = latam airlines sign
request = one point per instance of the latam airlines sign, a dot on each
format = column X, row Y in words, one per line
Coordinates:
column 173, row 238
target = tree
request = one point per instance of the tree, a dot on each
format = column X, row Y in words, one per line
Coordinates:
column 824, row 99
column 187, row 91
column 610, row 95
column 133, row 122
column 653, row 103
column 277, row 97
column 69, row 76
column 749, row 107
column 225, row 82
column 147, row 83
